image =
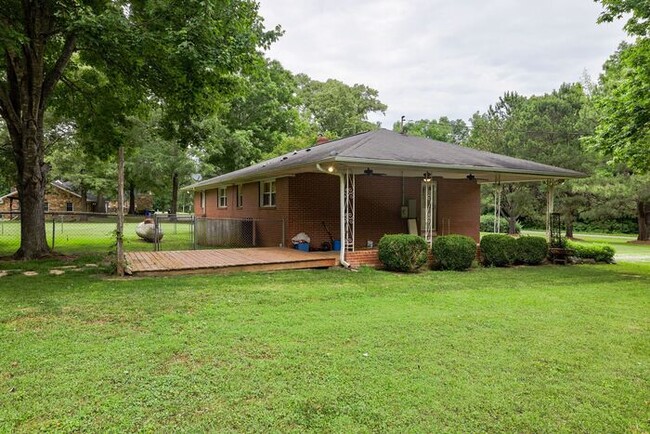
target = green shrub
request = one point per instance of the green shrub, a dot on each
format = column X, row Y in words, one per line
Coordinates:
column 597, row 252
column 498, row 250
column 403, row 252
column 487, row 224
column 531, row 250
column 453, row 252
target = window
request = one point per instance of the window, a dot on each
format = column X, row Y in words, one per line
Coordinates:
column 203, row 199
column 68, row 206
column 267, row 194
column 240, row 196
column 223, row 197
column 46, row 207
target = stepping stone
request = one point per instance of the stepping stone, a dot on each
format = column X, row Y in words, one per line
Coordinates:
column 91, row 265
column 30, row 273
column 3, row 273
column 57, row 272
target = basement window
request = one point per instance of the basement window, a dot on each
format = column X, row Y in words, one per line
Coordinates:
column 267, row 194
column 223, row 197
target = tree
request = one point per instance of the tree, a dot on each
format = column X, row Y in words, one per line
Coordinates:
column 337, row 109
column 638, row 12
column 622, row 101
column 443, row 129
column 547, row 129
column 180, row 54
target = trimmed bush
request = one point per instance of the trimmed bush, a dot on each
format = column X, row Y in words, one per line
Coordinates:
column 453, row 252
column 597, row 252
column 531, row 250
column 403, row 252
column 498, row 250
column 487, row 224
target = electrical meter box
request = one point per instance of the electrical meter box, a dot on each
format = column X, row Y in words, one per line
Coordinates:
column 404, row 212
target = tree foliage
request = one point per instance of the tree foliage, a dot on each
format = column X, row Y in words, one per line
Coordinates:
column 443, row 129
column 337, row 109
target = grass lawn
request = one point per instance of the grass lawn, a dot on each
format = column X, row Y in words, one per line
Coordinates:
column 96, row 236
column 537, row 349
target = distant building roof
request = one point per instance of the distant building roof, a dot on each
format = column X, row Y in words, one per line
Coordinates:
column 391, row 150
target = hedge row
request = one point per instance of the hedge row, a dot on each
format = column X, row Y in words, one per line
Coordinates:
column 597, row 252
column 408, row 253
column 503, row 250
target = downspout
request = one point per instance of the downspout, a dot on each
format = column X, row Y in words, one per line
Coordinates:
column 341, row 208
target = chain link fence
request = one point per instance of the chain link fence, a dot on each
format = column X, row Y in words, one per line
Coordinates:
column 83, row 233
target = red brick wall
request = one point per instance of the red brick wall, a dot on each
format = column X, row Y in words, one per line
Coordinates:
column 459, row 208
column 369, row 257
column 308, row 199
column 268, row 233
column 314, row 199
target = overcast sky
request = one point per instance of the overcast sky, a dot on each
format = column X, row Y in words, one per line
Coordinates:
column 432, row 58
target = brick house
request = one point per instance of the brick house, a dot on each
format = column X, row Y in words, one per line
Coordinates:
column 364, row 186
column 59, row 197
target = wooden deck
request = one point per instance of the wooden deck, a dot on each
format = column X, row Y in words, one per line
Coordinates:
column 226, row 260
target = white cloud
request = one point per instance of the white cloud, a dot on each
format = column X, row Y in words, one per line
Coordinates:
column 438, row 58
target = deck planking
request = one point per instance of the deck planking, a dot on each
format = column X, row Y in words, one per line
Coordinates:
column 226, row 260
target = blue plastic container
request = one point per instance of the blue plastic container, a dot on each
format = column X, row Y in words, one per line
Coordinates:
column 302, row 246
column 337, row 245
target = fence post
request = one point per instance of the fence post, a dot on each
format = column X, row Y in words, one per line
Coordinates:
column 254, row 232
column 194, row 232
column 53, row 231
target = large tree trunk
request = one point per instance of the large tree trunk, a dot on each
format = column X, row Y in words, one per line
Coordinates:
column 23, row 99
column 31, row 191
column 512, row 225
column 174, row 205
column 131, row 198
column 643, row 215
column 569, row 226
column 84, row 203
column 101, row 202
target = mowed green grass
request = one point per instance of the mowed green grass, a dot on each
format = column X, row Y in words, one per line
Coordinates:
column 96, row 237
column 523, row 349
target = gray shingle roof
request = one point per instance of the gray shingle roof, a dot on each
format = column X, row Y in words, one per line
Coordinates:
column 389, row 148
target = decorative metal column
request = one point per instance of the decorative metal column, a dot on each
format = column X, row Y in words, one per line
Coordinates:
column 428, row 190
column 349, row 210
column 550, row 197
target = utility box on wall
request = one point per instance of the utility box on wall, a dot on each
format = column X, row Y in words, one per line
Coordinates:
column 413, row 212
column 404, row 212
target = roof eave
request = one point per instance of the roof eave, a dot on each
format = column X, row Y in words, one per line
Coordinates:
column 477, row 169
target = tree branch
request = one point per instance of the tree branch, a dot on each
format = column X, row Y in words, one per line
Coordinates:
column 55, row 73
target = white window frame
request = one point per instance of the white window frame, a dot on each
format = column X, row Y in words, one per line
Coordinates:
column 202, row 199
column 222, row 197
column 271, row 194
column 240, row 196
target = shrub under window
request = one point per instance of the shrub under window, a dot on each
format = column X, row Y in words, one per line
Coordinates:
column 402, row 252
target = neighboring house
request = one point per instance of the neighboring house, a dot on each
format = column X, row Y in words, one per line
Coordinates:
column 364, row 186
column 143, row 202
column 59, row 197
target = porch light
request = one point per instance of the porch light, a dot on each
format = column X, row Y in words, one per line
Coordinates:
column 427, row 176
column 330, row 169
column 471, row 177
